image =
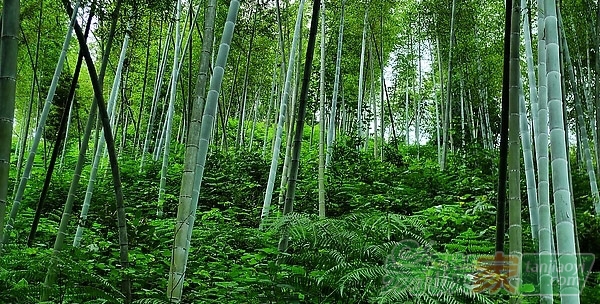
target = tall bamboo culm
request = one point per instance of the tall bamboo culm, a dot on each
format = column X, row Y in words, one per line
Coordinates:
column 39, row 131
column 565, row 232
column 9, row 45
column 282, row 116
column 186, row 212
column 321, row 179
column 336, row 85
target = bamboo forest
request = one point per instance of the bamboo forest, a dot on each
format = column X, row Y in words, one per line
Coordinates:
column 292, row 151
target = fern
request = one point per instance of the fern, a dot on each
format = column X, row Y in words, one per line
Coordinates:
column 471, row 243
column 375, row 257
column 23, row 271
column 150, row 301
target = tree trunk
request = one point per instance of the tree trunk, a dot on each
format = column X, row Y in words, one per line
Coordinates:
column 321, row 178
column 515, row 230
column 38, row 133
column 289, row 199
column 336, row 85
column 448, row 108
column 170, row 112
column 60, row 135
column 100, row 147
column 156, row 96
column 282, row 113
column 8, row 75
column 361, row 79
column 186, row 212
column 569, row 286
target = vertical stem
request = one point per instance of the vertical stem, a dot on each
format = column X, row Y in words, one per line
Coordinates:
column 289, row 200
column 447, row 114
column 321, row 178
column 39, row 131
column 336, row 85
column 8, row 74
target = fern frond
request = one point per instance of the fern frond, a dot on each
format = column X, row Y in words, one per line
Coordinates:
column 150, row 301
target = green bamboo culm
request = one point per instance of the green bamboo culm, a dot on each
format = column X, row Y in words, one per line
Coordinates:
column 162, row 66
column 361, row 77
column 587, row 155
column 282, row 116
column 100, row 148
column 321, row 178
column 545, row 232
column 528, row 163
column 170, row 112
column 448, row 106
column 336, row 85
column 268, row 116
column 39, row 131
column 515, row 230
column 92, row 117
column 192, row 165
column 565, row 234
column 61, row 136
column 301, row 117
column 525, row 133
column 504, row 126
column 186, row 213
column 8, row 73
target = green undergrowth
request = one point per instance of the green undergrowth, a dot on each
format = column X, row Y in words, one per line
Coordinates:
column 393, row 234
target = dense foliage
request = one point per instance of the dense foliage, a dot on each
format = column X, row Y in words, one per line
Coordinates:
column 400, row 227
column 385, row 218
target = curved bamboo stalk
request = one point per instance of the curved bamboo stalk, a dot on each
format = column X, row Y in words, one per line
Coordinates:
column 100, row 147
column 186, row 213
column 282, row 113
column 301, row 117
